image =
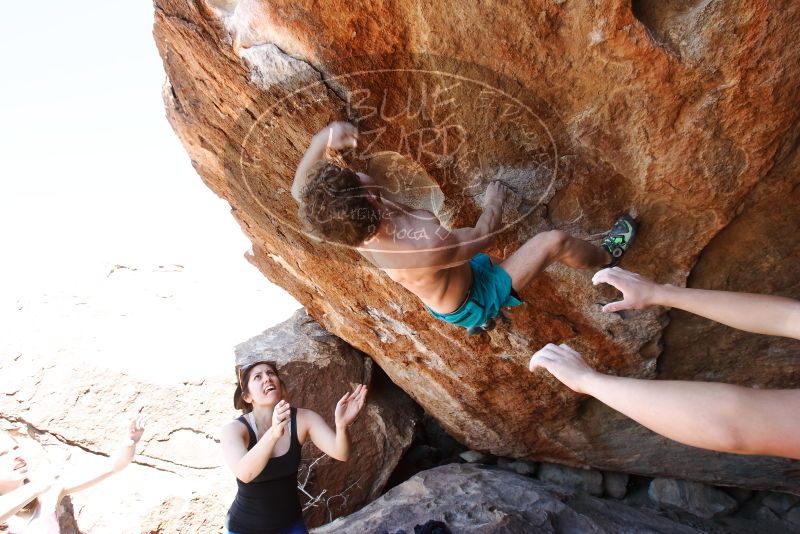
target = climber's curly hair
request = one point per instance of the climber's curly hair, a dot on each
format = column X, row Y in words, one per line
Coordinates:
column 334, row 206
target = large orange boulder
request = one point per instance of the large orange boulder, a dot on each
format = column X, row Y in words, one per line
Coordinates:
column 684, row 112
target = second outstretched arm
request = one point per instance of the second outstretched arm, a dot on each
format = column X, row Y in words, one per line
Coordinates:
column 760, row 314
column 462, row 244
column 720, row 417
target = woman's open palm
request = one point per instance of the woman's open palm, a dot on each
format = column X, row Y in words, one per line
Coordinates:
column 349, row 406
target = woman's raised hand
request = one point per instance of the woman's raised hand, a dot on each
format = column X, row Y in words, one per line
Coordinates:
column 136, row 430
column 280, row 418
column 349, row 406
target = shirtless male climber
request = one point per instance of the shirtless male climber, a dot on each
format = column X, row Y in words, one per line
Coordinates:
column 446, row 269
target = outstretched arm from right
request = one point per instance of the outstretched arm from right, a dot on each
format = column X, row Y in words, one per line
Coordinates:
column 760, row 314
column 720, row 417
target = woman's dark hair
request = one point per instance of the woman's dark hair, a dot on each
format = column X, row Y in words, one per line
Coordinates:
column 242, row 378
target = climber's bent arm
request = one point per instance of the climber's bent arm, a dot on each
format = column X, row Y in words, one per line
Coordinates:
column 314, row 153
column 336, row 136
column 458, row 246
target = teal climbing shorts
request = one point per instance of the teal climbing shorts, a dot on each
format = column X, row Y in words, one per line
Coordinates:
column 491, row 290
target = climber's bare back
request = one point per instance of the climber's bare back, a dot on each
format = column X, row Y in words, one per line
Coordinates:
column 408, row 248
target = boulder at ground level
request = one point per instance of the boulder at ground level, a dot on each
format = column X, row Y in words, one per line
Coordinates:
column 475, row 499
column 584, row 480
column 693, row 497
column 615, row 484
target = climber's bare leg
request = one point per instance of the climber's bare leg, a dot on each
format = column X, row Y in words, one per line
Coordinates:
column 547, row 247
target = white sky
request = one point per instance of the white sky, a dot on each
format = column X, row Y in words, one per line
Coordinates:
column 92, row 175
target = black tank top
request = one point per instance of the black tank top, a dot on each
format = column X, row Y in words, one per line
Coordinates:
column 269, row 504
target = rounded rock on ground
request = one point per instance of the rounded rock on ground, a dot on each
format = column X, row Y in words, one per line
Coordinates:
column 793, row 516
column 741, row 495
column 764, row 513
column 615, row 484
column 505, row 463
column 780, row 503
column 523, row 467
column 693, row 497
column 585, row 480
column 472, row 457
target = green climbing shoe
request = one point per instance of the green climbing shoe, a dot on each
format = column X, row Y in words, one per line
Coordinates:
column 619, row 238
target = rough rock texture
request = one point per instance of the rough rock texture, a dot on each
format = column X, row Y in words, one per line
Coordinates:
column 615, row 484
column 685, row 112
column 71, row 408
column 780, row 503
column 318, row 368
column 473, row 499
column 521, row 467
column 692, row 497
column 178, row 482
column 794, row 516
column 584, row 480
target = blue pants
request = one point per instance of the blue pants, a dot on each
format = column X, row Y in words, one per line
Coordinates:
column 491, row 290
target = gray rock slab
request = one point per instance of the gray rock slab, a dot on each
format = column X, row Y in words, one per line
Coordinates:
column 473, row 499
column 615, row 484
column 780, row 503
column 585, row 480
column 693, row 497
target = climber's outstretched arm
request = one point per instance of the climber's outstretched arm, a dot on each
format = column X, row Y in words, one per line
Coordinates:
column 761, row 314
column 714, row 416
column 336, row 136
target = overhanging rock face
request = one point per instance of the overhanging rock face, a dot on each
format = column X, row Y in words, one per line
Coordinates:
column 678, row 111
